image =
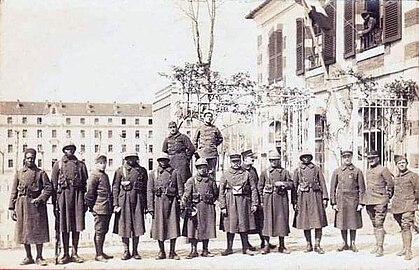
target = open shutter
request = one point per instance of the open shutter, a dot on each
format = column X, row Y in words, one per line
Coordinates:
column 329, row 39
column 349, row 29
column 279, row 70
column 300, row 46
column 392, row 21
column 271, row 52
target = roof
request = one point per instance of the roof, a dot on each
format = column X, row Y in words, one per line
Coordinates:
column 75, row 109
column 252, row 13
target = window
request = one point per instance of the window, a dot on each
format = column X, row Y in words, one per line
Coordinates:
column 275, row 133
column 110, row 162
column 24, row 147
column 259, row 41
column 110, row 148
column 150, row 134
column 137, row 148
column 54, row 133
column 110, row 133
column 96, row 121
column 123, row 121
column 150, row 121
column 275, row 56
column 150, row 164
column 137, row 121
column 10, row 163
column 123, row 148
column 124, row 134
column 54, row 148
column 68, row 121
column 82, row 133
column 96, row 148
column 24, row 133
column 39, row 133
column 150, row 148
column 40, row 163
column 82, row 148
column 39, row 148
column 68, row 133
column 137, row 134
column 39, row 120
column 82, row 121
column 9, row 120
column 96, row 133
column 188, row 122
column 9, row 133
column 320, row 124
column 10, row 148
column 109, row 121
column 24, row 120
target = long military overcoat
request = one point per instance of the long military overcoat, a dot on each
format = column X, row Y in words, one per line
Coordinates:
column 239, row 217
column 129, row 192
column 164, row 189
column 347, row 189
column 201, row 192
column 275, row 201
column 69, row 177
column 32, row 221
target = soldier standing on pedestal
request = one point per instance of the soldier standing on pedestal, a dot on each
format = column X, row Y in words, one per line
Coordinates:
column 30, row 191
column 180, row 150
column 404, row 203
column 380, row 187
column 129, row 190
column 69, row 177
column 347, row 190
column 206, row 140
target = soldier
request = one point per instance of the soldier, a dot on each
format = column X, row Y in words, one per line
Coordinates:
column 180, row 150
column 69, row 177
column 30, row 191
column 273, row 188
column 248, row 161
column 201, row 192
column 404, row 204
column 379, row 191
column 238, row 200
column 164, row 189
column 129, row 189
column 347, row 190
column 206, row 140
column 99, row 201
column 310, row 201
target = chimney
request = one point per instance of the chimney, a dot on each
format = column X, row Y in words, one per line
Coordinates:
column 18, row 104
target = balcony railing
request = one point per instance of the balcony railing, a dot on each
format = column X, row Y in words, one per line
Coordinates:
column 371, row 39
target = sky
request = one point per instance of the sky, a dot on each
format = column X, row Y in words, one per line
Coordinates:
column 110, row 50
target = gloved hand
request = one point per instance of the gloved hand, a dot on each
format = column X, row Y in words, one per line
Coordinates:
column 254, row 209
column 224, row 211
column 151, row 214
column 335, row 207
column 36, row 202
column 360, row 207
column 325, row 203
column 116, row 209
column 13, row 215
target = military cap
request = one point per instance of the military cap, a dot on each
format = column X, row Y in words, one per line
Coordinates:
column 274, row 155
column 372, row 154
column 306, row 154
column 201, row 161
column 130, row 154
column 398, row 158
column 69, row 145
column 346, row 152
column 163, row 155
column 172, row 123
column 248, row 153
column 100, row 157
column 235, row 157
column 208, row 112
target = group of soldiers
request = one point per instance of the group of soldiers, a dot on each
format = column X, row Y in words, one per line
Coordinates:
column 248, row 203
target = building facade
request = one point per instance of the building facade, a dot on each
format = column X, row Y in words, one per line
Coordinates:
column 106, row 128
column 349, row 74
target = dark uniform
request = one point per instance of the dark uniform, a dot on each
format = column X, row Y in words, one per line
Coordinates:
column 380, row 186
column 69, row 177
column 238, row 195
column 404, row 205
column 311, row 194
column 99, row 200
column 129, row 188
column 180, row 150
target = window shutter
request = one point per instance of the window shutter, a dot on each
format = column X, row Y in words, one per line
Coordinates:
column 279, row 70
column 271, row 52
column 329, row 39
column 300, row 46
column 349, row 29
column 392, row 21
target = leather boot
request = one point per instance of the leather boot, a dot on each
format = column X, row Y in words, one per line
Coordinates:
column 245, row 246
column 194, row 252
column 102, row 243
column 380, row 243
column 307, row 235
column 342, row 247
column 353, row 236
column 162, row 253
column 229, row 250
column 126, row 255
column 29, row 258
column 374, row 250
column 282, row 248
column 74, row 252
column 39, row 259
column 98, row 247
column 317, row 247
column 135, row 254
column 205, row 252
column 172, row 253
column 408, row 244
column 403, row 251
column 65, row 237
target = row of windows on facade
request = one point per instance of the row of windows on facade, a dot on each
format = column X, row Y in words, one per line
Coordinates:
column 97, row 133
column 10, row 163
column 54, row 148
column 82, row 121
